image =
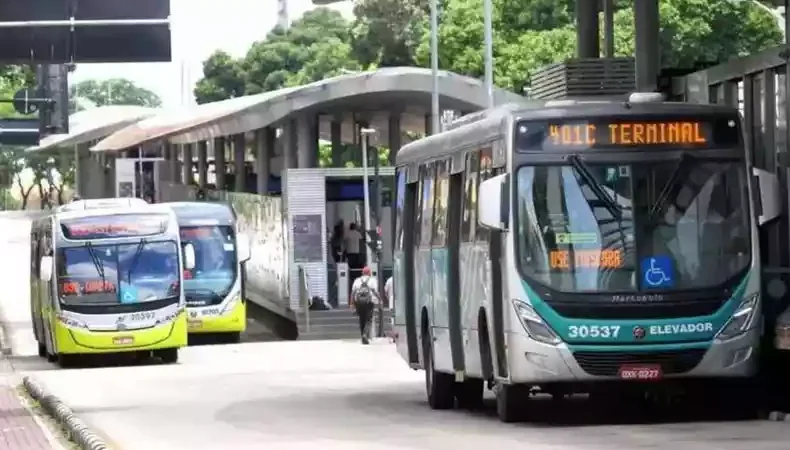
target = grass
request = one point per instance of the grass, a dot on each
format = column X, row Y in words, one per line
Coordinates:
column 58, row 431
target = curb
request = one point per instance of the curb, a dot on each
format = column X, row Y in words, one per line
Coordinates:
column 77, row 429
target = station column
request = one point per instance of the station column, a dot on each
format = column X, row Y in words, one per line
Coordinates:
column 336, row 135
column 264, row 148
column 394, row 138
column 219, row 163
column 239, row 167
column 648, row 52
column 307, row 141
column 187, row 165
column 587, row 45
column 202, row 163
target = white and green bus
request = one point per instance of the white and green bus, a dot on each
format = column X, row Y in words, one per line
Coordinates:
column 578, row 246
column 215, row 286
column 108, row 280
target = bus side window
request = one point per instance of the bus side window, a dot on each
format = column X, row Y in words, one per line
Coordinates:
column 469, row 223
column 485, row 172
column 428, row 188
column 441, row 199
column 418, row 210
column 400, row 196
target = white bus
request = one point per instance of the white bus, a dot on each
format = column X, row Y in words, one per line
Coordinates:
column 580, row 246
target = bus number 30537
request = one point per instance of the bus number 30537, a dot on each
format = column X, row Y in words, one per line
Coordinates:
column 593, row 331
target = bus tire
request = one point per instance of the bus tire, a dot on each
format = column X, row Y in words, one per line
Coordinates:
column 510, row 402
column 42, row 350
column 439, row 387
column 168, row 355
column 469, row 394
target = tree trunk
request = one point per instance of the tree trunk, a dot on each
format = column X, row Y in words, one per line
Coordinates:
column 24, row 193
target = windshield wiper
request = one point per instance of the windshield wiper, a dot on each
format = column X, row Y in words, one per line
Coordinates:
column 97, row 262
column 609, row 203
column 666, row 192
column 133, row 264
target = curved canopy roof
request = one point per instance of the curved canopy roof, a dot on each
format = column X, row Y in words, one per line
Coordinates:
column 96, row 123
column 406, row 85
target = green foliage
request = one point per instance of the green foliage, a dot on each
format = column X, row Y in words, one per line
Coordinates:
column 527, row 35
column 115, row 91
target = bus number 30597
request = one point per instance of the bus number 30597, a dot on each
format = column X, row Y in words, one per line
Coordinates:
column 593, row 331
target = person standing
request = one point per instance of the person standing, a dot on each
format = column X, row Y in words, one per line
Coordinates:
column 365, row 295
column 352, row 241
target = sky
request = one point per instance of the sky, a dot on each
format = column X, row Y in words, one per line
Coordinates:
column 198, row 28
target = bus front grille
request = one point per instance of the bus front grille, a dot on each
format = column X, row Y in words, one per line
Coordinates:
column 607, row 364
column 657, row 310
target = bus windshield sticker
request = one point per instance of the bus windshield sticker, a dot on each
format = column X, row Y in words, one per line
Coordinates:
column 657, row 272
column 675, row 133
column 106, row 227
column 128, row 293
column 228, row 247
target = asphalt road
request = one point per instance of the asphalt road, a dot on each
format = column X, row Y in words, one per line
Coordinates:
column 341, row 395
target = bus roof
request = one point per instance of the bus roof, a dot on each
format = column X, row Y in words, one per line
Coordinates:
column 96, row 203
column 490, row 125
column 147, row 209
column 200, row 213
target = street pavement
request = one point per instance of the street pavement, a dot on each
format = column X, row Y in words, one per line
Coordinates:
column 331, row 395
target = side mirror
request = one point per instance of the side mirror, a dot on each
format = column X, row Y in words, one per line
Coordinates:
column 243, row 250
column 768, row 186
column 45, row 269
column 189, row 256
column 492, row 204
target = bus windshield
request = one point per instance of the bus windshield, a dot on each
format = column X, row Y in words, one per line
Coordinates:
column 215, row 264
column 118, row 273
column 630, row 227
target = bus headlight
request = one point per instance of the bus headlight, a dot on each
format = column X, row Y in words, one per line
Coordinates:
column 534, row 324
column 741, row 319
column 71, row 322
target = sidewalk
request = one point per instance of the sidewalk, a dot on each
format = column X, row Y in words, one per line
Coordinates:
column 18, row 429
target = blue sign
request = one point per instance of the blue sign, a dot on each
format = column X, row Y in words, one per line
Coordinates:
column 657, row 272
column 128, row 294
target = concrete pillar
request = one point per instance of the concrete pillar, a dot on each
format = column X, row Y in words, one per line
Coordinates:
column 336, row 133
column 587, row 45
column 307, row 141
column 202, row 163
column 187, row 165
column 608, row 28
column 239, row 169
column 175, row 174
column 264, row 147
column 648, row 52
column 219, row 162
column 394, row 138
column 288, row 138
column 428, row 125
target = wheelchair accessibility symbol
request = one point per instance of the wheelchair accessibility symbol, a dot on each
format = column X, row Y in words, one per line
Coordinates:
column 657, row 272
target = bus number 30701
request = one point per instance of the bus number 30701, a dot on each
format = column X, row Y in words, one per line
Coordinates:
column 593, row 331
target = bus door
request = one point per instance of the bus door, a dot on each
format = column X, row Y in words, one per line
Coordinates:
column 455, row 208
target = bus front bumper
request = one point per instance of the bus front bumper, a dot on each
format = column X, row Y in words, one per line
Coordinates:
column 72, row 340
column 232, row 320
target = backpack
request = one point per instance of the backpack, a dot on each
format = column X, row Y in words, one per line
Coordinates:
column 364, row 294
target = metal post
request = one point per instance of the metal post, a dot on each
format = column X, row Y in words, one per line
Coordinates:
column 366, row 188
column 608, row 27
column 435, row 66
column 489, row 52
column 379, row 272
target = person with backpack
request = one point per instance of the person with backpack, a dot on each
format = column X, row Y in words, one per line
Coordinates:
column 365, row 297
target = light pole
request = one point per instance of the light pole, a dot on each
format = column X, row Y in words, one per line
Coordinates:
column 364, row 133
column 489, row 50
column 435, row 66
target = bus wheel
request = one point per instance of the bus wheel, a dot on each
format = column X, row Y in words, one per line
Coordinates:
column 510, row 401
column 51, row 357
column 42, row 350
column 469, row 394
column 438, row 386
column 168, row 355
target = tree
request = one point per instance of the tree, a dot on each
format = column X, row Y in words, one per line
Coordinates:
column 386, row 33
column 542, row 32
column 114, row 91
column 223, row 77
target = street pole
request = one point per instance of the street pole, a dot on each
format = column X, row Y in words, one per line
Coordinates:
column 366, row 189
column 379, row 270
column 489, row 51
column 435, row 67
